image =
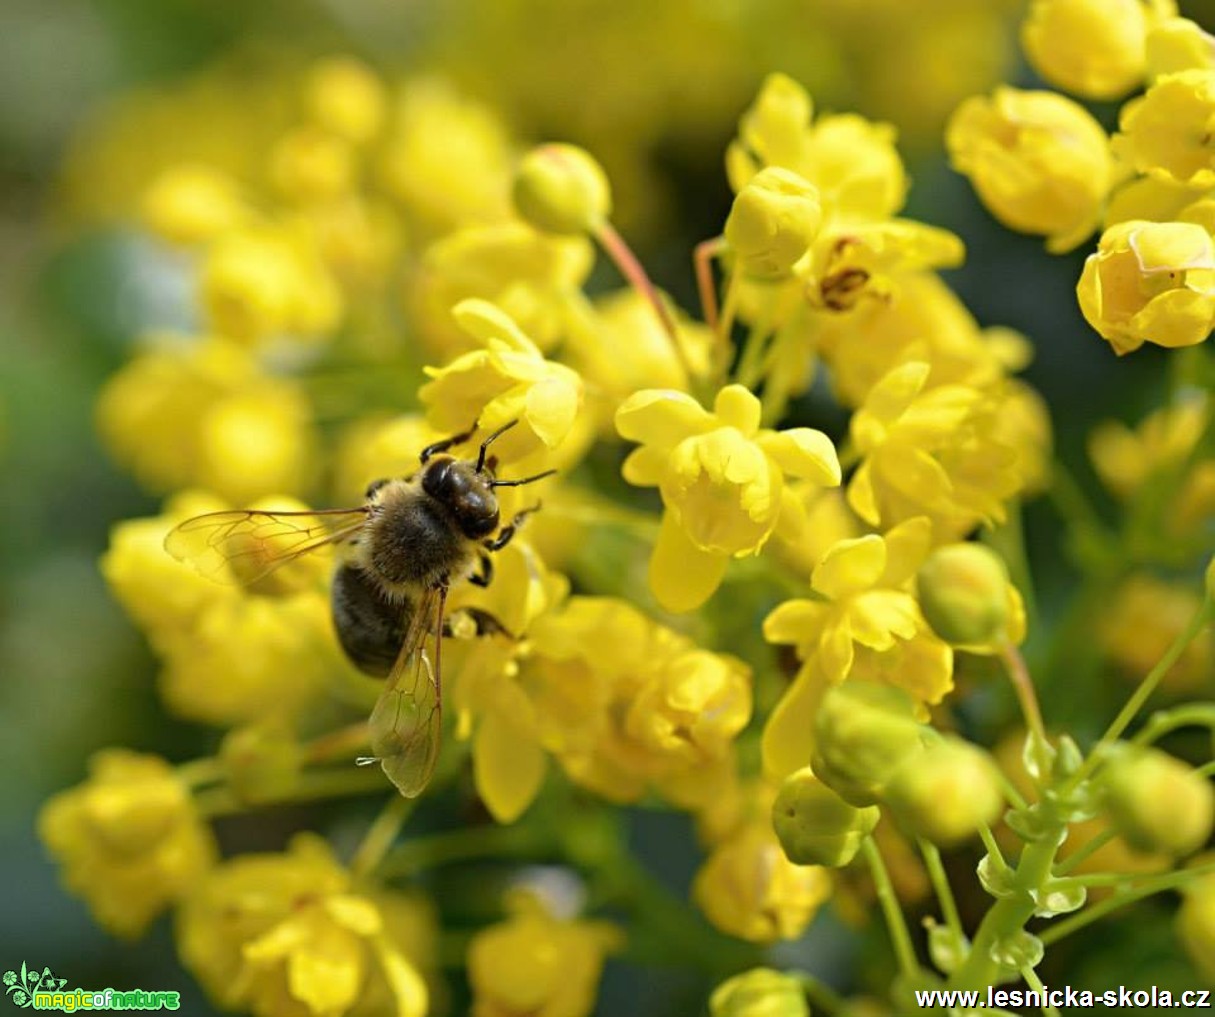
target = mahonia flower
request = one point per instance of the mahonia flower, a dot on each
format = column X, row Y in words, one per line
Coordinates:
column 749, row 889
column 1178, row 44
column 864, row 624
column 288, row 935
column 377, row 447
column 930, row 451
column 311, row 166
column 1039, row 162
column 1150, row 282
column 230, row 654
column 1092, row 48
column 346, row 98
column 192, row 204
column 1164, row 130
column 130, row 840
column 722, row 481
column 532, row 276
column 760, row 992
column 537, row 963
column 506, row 379
column 206, row 415
column 1144, row 618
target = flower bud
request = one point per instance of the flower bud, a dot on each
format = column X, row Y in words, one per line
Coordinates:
column 261, row 763
column 963, row 591
column 946, row 793
column 562, row 189
column 191, row 205
column 1156, row 802
column 864, row 733
column 1178, row 44
column 760, row 992
column 1150, row 282
column 346, row 98
column 1092, row 48
column 774, row 219
column 816, row 826
column 1196, row 924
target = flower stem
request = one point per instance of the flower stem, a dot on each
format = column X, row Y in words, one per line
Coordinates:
column 1023, row 685
column 1035, row 983
column 896, row 922
column 345, row 742
column 312, row 786
column 702, row 262
column 380, row 835
column 465, row 844
column 940, row 885
column 1085, row 852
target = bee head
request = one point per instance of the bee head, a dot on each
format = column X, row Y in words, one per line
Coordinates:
column 466, row 492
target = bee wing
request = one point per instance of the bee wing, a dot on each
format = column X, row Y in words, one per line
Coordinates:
column 407, row 722
column 255, row 543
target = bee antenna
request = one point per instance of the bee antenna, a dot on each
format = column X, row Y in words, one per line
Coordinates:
column 525, row 480
column 490, row 440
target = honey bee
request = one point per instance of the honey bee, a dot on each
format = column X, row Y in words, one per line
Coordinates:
column 411, row 540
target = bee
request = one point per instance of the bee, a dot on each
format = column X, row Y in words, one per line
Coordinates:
column 402, row 550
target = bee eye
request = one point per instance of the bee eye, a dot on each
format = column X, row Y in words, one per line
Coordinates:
column 437, row 480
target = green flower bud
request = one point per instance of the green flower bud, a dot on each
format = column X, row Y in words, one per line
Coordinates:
column 864, row 733
column 1196, row 924
column 1157, row 802
column 946, row 793
column 760, row 992
column 774, row 220
column 562, row 189
column 816, row 826
column 261, row 763
column 963, row 592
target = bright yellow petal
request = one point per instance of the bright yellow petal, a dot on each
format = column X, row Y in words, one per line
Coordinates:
column 862, row 498
column 795, row 621
column 907, row 545
column 508, row 766
column 788, row 739
column 644, row 466
column 737, row 407
column 803, row 452
column 662, row 417
column 850, row 566
column 683, row 576
column 552, row 405
column 484, row 321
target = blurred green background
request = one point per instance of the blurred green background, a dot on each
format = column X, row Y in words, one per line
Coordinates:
column 656, row 89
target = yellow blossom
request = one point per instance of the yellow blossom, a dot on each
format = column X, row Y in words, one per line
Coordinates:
column 506, row 379
column 722, row 482
column 946, row 794
column 863, row 624
column 538, row 964
column 344, row 96
column 1146, row 616
column 206, row 415
column 1164, row 130
column 129, row 839
column 1092, row 48
column 749, row 889
column 287, row 935
column 930, row 451
column 774, row 219
column 760, row 992
column 311, row 165
column 1155, row 197
column 561, row 189
column 824, row 519
column 192, row 204
column 1150, row 282
column 1178, row 44
column 1196, row 923
column 376, row 448
column 1039, row 162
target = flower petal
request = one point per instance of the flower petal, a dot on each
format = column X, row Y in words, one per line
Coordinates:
column 788, row 739
column 850, row 566
column 803, row 452
column 508, row 766
column 662, row 417
column 737, row 407
column 683, row 576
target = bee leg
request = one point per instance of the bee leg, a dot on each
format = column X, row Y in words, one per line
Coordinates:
column 446, row 443
column 508, row 531
column 485, row 575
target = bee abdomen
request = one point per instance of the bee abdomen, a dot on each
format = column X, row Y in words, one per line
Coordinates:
column 370, row 626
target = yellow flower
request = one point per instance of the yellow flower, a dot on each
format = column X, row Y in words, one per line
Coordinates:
column 375, row 448
column 946, row 794
column 1164, row 131
column 344, row 96
column 930, row 451
column 760, row 992
column 864, row 624
column 774, row 219
column 1157, row 198
column 206, row 415
column 1092, row 48
column 562, row 189
column 311, row 165
column 1146, row 617
column 1039, row 162
column 447, row 160
column 1150, row 282
column 192, row 204
column 1196, row 923
column 506, row 379
column 1178, row 44
column 722, row 482
column 537, row 964
column 749, row 889
column 129, row 839
column 1157, row 802
column 286, row 935
column 532, row 276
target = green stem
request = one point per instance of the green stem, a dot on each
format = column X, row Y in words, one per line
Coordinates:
column 1035, row 983
column 1085, row 852
column 1023, row 685
column 940, row 885
column 993, row 849
column 311, row 787
column 823, row 999
column 1206, row 770
column 462, row 845
column 1169, row 881
column 1186, row 715
column 199, row 772
column 896, row 922
column 380, row 835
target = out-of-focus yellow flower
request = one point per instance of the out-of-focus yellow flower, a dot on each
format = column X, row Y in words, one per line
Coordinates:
column 722, row 482
column 561, row 189
column 537, row 964
column 206, row 415
column 1150, row 282
column 760, row 992
column 447, row 160
column 749, row 889
column 359, row 240
column 1163, row 130
column 377, row 448
column 1196, row 923
column 191, row 204
column 129, row 839
column 1156, row 198
column 345, row 97
column 1092, row 48
column 852, row 162
column 531, row 276
column 967, row 599
column 863, row 624
column 1039, row 162
column 930, row 451
column 310, row 165
column 1146, row 617
column 1178, row 44
column 1157, row 802
column 265, row 283
column 287, row 935
column 946, row 794
column 774, row 219
column 506, row 379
